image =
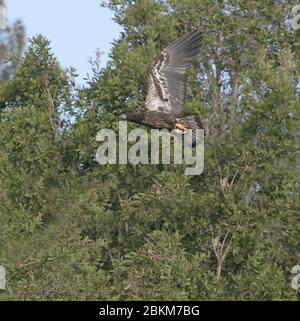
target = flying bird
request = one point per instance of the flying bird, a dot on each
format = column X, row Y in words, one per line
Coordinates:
column 167, row 86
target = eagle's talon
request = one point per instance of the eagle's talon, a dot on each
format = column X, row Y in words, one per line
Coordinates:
column 181, row 127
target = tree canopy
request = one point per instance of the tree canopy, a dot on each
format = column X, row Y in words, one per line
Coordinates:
column 71, row 229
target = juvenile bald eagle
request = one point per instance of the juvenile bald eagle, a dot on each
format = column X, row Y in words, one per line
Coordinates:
column 166, row 97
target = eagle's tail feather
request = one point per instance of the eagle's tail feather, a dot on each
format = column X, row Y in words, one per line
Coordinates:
column 189, row 122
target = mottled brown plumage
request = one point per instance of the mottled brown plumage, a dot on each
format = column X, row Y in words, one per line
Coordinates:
column 166, row 96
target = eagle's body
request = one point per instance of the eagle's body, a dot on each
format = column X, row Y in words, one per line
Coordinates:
column 154, row 119
column 166, row 97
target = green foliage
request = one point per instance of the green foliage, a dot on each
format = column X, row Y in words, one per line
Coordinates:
column 12, row 41
column 72, row 229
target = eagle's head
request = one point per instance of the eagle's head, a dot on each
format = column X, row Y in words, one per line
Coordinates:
column 137, row 117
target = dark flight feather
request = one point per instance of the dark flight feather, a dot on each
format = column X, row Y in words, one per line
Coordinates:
column 168, row 74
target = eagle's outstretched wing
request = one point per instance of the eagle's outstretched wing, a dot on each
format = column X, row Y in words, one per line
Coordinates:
column 168, row 74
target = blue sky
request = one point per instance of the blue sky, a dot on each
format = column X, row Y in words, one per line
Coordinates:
column 76, row 28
